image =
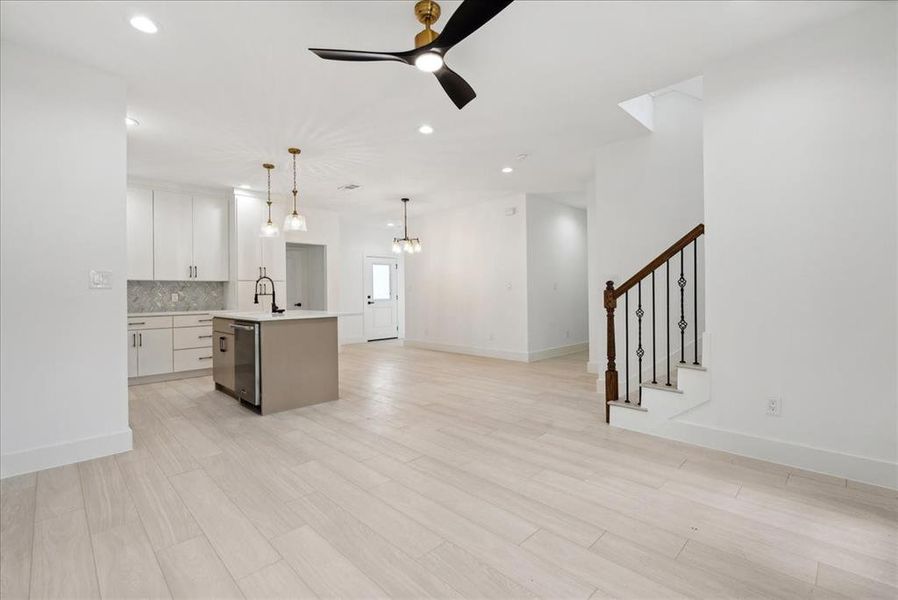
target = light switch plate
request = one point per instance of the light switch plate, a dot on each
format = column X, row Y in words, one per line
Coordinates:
column 100, row 280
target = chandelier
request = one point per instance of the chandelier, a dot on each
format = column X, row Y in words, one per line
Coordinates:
column 405, row 243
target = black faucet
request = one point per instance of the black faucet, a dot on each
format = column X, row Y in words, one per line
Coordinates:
column 274, row 306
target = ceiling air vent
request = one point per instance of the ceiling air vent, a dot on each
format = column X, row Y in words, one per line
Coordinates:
column 349, row 186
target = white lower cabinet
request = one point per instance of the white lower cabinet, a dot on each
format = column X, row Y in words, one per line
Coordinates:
column 154, row 351
column 159, row 345
column 132, row 354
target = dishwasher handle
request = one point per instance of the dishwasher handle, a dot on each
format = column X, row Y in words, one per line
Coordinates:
column 243, row 327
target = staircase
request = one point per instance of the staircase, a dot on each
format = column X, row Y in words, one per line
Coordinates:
column 663, row 376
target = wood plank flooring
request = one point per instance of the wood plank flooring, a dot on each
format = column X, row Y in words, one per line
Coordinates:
column 435, row 475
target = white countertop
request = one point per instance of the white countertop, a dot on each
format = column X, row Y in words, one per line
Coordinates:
column 259, row 317
column 173, row 313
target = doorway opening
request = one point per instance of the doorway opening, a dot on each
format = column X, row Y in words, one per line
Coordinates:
column 306, row 277
column 381, row 298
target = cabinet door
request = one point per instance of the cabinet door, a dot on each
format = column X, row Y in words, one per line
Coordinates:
column 249, row 245
column 280, row 288
column 245, row 292
column 132, row 354
column 210, row 238
column 154, row 348
column 274, row 250
column 223, row 360
column 140, row 233
column 173, row 236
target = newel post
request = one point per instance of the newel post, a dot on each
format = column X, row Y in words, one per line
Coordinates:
column 611, row 370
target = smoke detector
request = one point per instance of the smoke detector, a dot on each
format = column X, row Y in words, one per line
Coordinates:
column 349, row 186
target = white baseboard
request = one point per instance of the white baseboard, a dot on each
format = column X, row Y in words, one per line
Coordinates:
column 174, row 376
column 45, row 457
column 469, row 350
column 557, row 351
column 848, row 466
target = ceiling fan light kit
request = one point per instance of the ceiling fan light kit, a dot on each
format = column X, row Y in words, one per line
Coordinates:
column 431, row 46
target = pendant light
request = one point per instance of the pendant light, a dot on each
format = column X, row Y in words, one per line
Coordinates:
column 294, row 221
column 269, row 229
column 406, row 244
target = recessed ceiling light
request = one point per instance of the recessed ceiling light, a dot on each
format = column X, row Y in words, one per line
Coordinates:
column 245, row 186
column 507, row 169
column 425, row 129
column 144, row 24
column 522, row 156
column 131, row 122
column 391, row 224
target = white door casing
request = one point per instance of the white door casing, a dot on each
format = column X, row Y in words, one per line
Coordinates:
column 381, row 298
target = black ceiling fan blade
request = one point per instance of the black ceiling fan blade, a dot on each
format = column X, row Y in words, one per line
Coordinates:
column 459, row 91
column 468, row 18
column 361, row 55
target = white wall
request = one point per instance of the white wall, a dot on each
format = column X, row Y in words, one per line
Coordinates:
column 63, row 359
column 800, row 175
column 467, row 290
column 358, row 241
column 556, row 277
column 647, row 193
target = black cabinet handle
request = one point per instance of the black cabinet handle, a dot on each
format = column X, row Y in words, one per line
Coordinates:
column 222, row 344
column 140, row 340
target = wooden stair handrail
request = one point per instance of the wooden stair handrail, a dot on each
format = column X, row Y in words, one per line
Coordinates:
column 610, row 296
column 660, row 260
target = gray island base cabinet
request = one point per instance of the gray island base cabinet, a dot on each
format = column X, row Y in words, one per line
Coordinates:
column 297, row 358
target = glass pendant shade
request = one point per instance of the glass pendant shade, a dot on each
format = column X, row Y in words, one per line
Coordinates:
column 397, row 249
column 295, row 222
column 269, row 230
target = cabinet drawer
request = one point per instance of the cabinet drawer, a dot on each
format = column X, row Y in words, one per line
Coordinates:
column 192, row 337
column 194, row 358
column 135, row 323
column 193, row 320
column 222, row 325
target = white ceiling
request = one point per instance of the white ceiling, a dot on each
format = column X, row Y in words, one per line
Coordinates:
column 225, row 86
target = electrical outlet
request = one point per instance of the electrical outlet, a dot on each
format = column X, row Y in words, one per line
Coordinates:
column 774, row 407
column 100, row 280
column 174, row 297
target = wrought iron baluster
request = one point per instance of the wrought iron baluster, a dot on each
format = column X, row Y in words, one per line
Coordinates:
column 667, row 333
column 695, row 299
column 682, row 324
column 654, row 345
column 640, row 351
column 627, row 346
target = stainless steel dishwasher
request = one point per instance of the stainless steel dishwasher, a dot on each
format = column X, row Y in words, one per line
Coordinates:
column 247, row 379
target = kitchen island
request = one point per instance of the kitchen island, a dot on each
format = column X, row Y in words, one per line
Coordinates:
column 276, row 362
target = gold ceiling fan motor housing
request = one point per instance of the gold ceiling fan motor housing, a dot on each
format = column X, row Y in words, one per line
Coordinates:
column 427, row 12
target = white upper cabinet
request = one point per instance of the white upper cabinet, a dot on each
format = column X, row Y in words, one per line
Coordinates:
column 210, row 239
column 257, row 255
column 140, row 234
column 173, row 234
column 249, row 246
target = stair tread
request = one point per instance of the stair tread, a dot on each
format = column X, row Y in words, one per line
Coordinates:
column 629, row 405
column 692, row 366
column 664, row 388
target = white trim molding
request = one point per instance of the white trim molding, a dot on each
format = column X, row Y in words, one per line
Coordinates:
column 469, row 350
column 45, row 457
column 557, row 351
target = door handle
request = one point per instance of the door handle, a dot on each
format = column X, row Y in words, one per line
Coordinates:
column 370, row 301
column 298, row 304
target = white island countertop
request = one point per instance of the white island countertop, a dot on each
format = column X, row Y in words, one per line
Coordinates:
column 260, row 317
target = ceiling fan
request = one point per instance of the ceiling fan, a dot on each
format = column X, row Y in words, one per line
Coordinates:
column 431, row 46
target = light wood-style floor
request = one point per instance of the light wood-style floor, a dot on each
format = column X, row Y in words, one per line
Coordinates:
column 436, row 475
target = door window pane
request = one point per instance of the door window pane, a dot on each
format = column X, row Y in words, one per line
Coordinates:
column 380, row 282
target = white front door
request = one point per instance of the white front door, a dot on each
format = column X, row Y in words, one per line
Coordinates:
column 381, row 298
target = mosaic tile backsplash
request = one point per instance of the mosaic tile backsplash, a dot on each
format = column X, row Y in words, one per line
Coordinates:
column 156, row 296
